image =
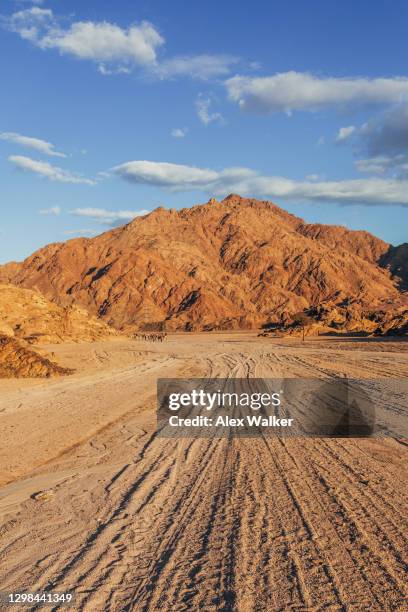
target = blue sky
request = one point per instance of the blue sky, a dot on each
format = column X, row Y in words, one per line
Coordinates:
column 109, row 109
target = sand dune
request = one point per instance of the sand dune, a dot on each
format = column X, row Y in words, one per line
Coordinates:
column 132, row 522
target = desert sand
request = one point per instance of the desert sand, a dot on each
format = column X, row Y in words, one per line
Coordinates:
column 92, row 501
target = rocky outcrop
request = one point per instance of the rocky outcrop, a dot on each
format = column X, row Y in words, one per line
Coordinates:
column 28, row 315
column 393, row 324
column 341, row 319
column 19, row 361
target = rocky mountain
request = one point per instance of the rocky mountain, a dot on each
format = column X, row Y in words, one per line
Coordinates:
column 231, row 264
column 26, row 314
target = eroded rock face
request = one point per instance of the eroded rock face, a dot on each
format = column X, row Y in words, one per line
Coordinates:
column 342, row 319
column 393, row 324
column 28, row 315
column 19, row 361
column 238, row 263
column 396, row 261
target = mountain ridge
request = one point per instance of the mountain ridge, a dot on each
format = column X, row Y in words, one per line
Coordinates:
column 236, row 263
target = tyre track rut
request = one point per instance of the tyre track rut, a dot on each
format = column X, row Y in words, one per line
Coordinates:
column 243, row 525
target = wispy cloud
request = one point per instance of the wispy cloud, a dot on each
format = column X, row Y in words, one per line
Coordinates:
column 384, row 164
column 53, row 210
column 103, row 174
column 204, row 113
column 37, row 2
column 42, row 146
column 247, row 182
column 46, row 170
column 108, row 217
column 202, row 67
column 179, row 132
column 31, row 24
column 295, row 91
column 345, row 133
column 105, row 71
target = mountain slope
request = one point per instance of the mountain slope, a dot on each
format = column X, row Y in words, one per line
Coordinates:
column 339, row 238
column 236, row 263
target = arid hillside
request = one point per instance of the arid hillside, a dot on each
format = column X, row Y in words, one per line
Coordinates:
column 28, row 315
column 230, row 264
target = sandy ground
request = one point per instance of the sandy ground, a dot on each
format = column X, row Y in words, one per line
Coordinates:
column 134, row 522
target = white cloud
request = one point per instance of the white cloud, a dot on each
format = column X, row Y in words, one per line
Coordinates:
column 108, row 217
column 345, row 133
column 54, row 210
column 106, row 42
column 165, row 175
column 31, row 143
column 291, row 91
column 179, row 132
column 116, row 50
column 44, row 169
column 81, row 232
column 203, row 105
column 249, row 183
column 101, row 42
column 312, row 177
column 202, row 67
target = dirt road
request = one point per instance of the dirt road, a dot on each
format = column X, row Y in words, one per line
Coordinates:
column 129, row 521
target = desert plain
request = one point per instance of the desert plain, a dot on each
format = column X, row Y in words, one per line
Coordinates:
column 93, row 502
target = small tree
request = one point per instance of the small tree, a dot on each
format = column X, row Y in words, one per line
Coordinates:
column 302, row 320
